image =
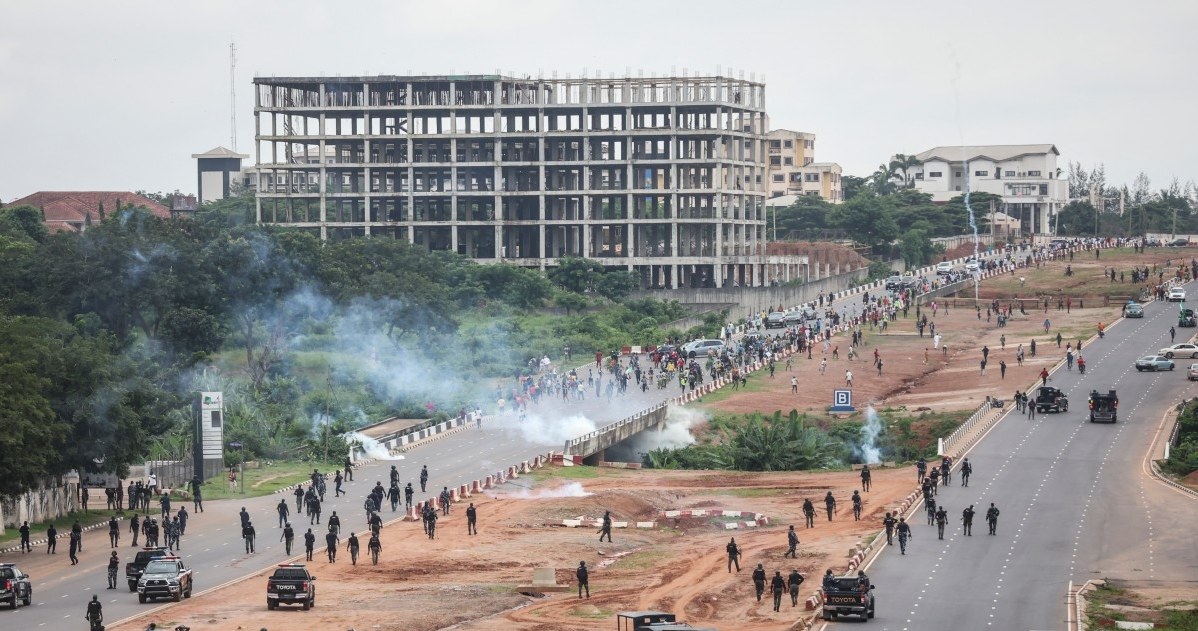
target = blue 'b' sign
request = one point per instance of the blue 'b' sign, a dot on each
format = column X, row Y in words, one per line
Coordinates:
column 842, row 401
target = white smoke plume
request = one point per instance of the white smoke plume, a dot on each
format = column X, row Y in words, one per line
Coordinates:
column 572, row 489
column 373, row 448
column 868, row 449
column 546, row 430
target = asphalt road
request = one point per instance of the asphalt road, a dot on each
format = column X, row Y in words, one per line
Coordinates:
column 1075, row 501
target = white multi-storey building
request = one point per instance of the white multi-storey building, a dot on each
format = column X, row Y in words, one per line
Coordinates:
column 1025, row 176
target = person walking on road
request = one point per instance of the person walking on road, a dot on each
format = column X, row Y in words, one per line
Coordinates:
column 423, row 477
column 734, row 554
column 778, row 587
column 793, row 582
column 605, row 528
column 248, row 533
column 95, row 613
column 287, row 538
column 283, row 511
column 759, row 581
column 351, row 546
column 1044, row 376
column 1031, row 408
column 865, row 478
column 114, row 564
column 471, row 520
column 888, row 523
column 966, row 470
column 809, row 512
column 967, row 521
column 51, row 540
column 584, row 579
column 792, row 544
column 904, row 533
column 375, row 546
column 331, row 540
column 309, row 543
column 941, row 520
column 992, row 518
column 829, row 505
column 114, row 531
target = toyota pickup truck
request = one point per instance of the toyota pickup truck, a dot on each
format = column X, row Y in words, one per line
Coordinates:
column 134, row 568
column 847, row 596
column 164, row 577
column 291, row 584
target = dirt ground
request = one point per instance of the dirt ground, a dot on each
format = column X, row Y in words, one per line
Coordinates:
column 679, row 566
column 470, row 582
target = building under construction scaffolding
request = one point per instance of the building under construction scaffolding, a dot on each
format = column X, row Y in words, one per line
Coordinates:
column 662, row 176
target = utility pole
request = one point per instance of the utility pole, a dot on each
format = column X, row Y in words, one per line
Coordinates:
column 233, row 96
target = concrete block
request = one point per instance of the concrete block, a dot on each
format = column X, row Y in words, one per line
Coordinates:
column 476, row 487
column 748, row 524
column 453, row 496
column 732, row 513
column 619, row 524
column 572, row 523
column 731, row 525
column 488, row 483
column 646, row 524
column 673, row 513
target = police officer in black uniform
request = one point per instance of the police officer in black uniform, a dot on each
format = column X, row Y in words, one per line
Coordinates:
column 777, row 587
column 759, row 581
column 287, row 538
column 792, row 542
column 992, row 518
column 967, row 521
column 888, row 522
column 309, row 543
column 966, row 470
column 95, row 613
column 471, row 520
column 941, row 520
column 793, row 582
column 809, row 512
column 856, row 506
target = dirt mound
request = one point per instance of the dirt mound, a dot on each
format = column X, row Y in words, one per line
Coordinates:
column 625, row 505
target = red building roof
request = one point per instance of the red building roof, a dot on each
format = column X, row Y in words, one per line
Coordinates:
column 68, row 210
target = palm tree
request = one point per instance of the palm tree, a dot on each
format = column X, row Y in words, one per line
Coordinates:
column 880, row 180
column 905, row 163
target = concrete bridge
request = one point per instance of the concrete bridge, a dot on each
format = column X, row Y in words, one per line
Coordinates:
column 591, row 446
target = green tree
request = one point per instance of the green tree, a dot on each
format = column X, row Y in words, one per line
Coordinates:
column 904, row 164
column 868, row 219
column 615, row 285
column 917, row 248
column 575, row 274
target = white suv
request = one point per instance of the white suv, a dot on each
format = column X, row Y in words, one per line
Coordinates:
column 700, row 348
column 1177, row 294
column 943, row 268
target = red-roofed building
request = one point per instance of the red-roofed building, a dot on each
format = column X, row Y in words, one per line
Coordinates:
column 70, row 210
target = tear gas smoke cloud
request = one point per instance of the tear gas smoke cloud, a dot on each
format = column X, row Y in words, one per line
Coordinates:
column 572, row 489
column 554, row 430
column 868, row 450
column 373, row 448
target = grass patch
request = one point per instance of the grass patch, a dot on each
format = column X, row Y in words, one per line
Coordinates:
column 267, row 479
column 12, row 537
column 757, row 383
column 642, row 560
column 741, row 492
column 591, row 612
column 577, row 472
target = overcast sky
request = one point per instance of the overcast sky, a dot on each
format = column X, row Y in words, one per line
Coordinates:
column 118, row 95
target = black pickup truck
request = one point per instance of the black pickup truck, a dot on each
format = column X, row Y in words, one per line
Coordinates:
column 291, row 584
column 134, row 568
column 1050, row 399
column 1104, row 407
column 164, row 577
column 848, row 596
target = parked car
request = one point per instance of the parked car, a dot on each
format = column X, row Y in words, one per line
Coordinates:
column 1134, row 310
column 1179, row 242
column 944, row 268
column 1180, row 350
column 291, row 584
column 1177, row 294
column 1192, row 373
column 1154, row 363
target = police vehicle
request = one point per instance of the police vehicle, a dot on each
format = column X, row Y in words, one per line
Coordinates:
column 291, row 584
column 15, row 586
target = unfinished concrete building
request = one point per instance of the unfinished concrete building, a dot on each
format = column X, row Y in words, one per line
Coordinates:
column 662, row 176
